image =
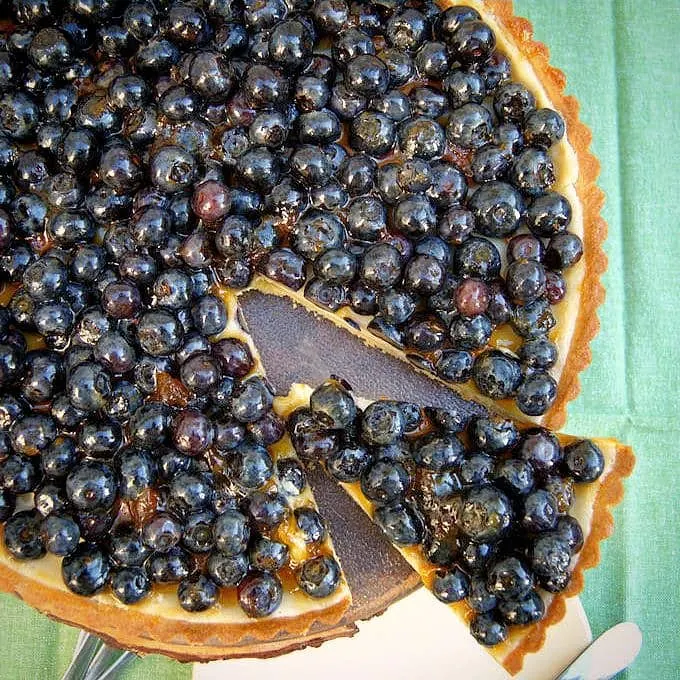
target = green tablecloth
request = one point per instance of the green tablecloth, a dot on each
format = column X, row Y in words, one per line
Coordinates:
column 622, row 61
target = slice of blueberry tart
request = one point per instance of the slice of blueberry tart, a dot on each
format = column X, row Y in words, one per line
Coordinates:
column 410, row 170
column 499, row 518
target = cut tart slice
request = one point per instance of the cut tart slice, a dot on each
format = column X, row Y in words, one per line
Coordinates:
column 199, row 535
column 500, row 520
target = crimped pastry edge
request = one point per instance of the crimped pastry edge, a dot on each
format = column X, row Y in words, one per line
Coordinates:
column 592, row 200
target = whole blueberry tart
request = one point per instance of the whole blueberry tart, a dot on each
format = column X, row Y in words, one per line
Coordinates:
column 408, row 170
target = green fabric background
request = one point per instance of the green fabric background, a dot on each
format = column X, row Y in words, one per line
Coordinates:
column 622, row 62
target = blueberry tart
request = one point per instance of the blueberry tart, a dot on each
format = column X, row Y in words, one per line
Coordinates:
column 410, row 171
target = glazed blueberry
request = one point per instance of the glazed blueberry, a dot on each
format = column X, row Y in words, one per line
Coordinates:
column 372, row 133
column 513, row 102
column 401, row 523
column 268, row 509
column 86, row 570
column 455, row 365
column 509, row 579
column 515, row 477
column 126, row 547
column 486, row 514
column 61, row 534
column 227, row 571
column 335, row 402
column 563, row 491
column 584, row 461
column 543, row 128
column 463, row 87
column 381, row 266
column 268, row 555
column 137, row 471
column 497, row 374
column 49, row 498
column 438, row 452
column 497, row 208
column 533, row 171
column 480, row 598
column 385, row 481
column 537, row 393
column 470, row 333
column 197, row 595
column 382, row 423
column 494, row 434
column 159, row 333
column 477, row 470
column 469, row 126
column 487, row 630
column 406, row 30
column 522, row 611
column 251, row 465
column 422, row 137
column 251, row 400
column 550, row 557
column 260, row 594
column 91, row 485
column 477, row 258
column 130, row 584
column 349, row 463
column 319, row 576
column 23, row 537
column 533, row 319
column 569, row 530
column 564, row 250
column 189, row 492
column 162, row 533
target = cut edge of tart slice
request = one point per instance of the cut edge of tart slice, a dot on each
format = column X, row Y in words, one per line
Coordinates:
column 577, row 171
column 592, row 507
column 158, row 624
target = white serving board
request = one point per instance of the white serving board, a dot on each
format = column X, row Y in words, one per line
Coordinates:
column 415, row 638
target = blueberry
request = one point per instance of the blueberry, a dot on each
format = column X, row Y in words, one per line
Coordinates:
column 372, row 133
column 268, row 555
column 7, row 505
column 319, row 576
column 50, row 498
column 450, row 585
column 190, row 492
column 469, row 126
column 227, row 571
column 291, row 475
column 385, row 481
column 91, row 485
column 477, row 258
column 268, row 509
column 334, row 401
column 382, row 423
column 23, row 537
column 513, row 102
column 497, row 207
column 494, row 434
column 497, row 374
column 126, row 547
column 18, row 474
column 197, row 595
column 564, row 251
column 159, row 333
column 569, row 530
column 438, row 452
column 169, row 567
column 406, row 30
column 522, row 611
column 315, row 233
column 401, row 523
column 422, row 137
column 532, row 171
column 486, row 514
column 251, row 465
column 251, row 400
column 61, row 534
column 149, row 424
column 550, row 557
column 542, row 449
column 86, row 570
column 584, row 460
column 487, row 630
column 543, row 128
column 470, row 333
column 394, row 104
column 130, row 584
column 260, row 594
column 515, row 477
column 463, row 87
column 476, row 470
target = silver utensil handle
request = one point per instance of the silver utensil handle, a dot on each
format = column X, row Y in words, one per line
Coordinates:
column 94, row 660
